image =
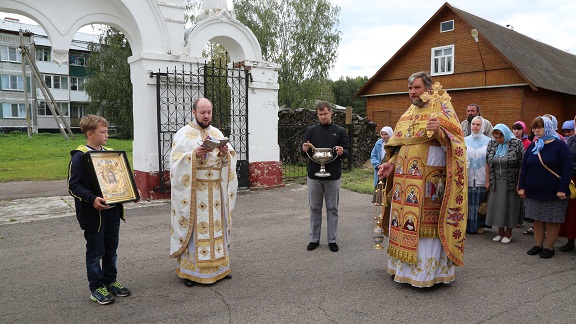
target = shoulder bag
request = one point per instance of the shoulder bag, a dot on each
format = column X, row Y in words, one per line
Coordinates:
column 571, row 186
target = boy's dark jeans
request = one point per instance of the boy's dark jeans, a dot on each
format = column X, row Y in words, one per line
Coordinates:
column 102, row 245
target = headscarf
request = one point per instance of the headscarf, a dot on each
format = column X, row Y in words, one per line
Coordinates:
column 476, row 135
column 554, row 121
column 508, row 135
column 388, row 130
column 569, row 124
column 521, row 123
column 549, row 133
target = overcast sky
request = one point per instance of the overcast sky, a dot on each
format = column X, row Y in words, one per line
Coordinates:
column 373, row 30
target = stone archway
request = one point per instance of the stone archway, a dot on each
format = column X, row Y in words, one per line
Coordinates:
column 155, row 30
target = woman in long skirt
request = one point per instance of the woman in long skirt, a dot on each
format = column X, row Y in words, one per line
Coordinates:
column 476, row 147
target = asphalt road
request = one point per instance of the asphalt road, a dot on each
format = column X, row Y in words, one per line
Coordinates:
column 275, row 280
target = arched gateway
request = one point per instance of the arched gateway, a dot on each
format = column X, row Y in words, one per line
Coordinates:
column 159, row 42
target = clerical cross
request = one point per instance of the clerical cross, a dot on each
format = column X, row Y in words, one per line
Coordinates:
column 438, row 94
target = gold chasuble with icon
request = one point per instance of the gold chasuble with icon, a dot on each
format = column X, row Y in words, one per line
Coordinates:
column 203, row 193
column 428, row 201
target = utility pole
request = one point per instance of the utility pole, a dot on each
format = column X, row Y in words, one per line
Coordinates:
column 25, row 81
column 60, row 120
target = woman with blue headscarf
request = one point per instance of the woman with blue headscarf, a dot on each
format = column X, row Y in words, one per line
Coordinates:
column 504, row 157
column 545, row 193
column 378, row 156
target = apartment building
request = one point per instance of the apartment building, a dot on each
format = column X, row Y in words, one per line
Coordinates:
column 65, row 82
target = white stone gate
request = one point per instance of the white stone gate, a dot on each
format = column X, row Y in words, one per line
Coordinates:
column 158, row 39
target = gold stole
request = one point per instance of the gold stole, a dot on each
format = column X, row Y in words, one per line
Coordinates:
column 428, row 202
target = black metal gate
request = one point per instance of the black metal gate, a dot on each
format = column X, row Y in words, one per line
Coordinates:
column 226, row 87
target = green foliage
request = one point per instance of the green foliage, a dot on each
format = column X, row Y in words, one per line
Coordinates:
column 108, row 83
column 345, row 88
column 44, row 156
column 301, row 36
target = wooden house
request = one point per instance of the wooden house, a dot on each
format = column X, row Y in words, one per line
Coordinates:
column 509, row 75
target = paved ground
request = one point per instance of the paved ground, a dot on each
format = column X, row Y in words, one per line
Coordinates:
column 275, row 280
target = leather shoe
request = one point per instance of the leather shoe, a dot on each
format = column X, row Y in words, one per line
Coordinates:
column 535, row 250
column 228, row 276
column 189, row 283
column 547, row 253
column 566, row 248
column 333, row 247
column 312, row 246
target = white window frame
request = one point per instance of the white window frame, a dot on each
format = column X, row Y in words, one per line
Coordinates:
column 43, row 54
column 9, row 81
column 8, row 110
column 10, row 54
column 44, row 110
column 443, row 61
column 77, row 59
column 447, row 30
column 56, row 81
column 77, row 83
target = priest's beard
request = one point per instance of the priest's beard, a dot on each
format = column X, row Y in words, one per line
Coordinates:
column 203, row 125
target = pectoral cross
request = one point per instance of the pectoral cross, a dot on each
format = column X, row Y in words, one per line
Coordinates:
column 438, row 95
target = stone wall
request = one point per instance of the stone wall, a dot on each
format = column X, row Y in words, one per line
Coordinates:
column 293, row 122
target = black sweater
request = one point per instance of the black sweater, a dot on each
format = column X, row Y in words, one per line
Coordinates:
column 326, row 136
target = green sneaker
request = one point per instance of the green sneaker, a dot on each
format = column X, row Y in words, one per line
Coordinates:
column 102, row 296
column 117, row 289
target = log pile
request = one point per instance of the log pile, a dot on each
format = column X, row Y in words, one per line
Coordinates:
column 293, row 122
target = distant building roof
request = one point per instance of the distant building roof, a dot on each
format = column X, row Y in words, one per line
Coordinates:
column 79, row 42
column 540, row 65
column 543, row 65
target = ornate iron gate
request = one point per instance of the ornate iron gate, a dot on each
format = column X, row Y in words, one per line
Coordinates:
column 226, row 87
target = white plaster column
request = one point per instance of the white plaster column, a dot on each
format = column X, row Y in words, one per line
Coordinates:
column 263, row 112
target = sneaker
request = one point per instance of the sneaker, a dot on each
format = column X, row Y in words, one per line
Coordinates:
column 117, row 289
column 102, row 296
column 506, row 240
column 497, row 238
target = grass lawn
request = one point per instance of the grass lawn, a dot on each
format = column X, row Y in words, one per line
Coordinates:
column 44, row 156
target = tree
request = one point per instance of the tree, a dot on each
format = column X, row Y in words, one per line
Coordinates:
column 108, row 84
column 301, row 36
column 345, row 88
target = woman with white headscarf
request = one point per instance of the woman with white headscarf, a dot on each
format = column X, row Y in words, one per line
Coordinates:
column 544, row 193
column 379, row 154
column 504, row 158
column 476, row 147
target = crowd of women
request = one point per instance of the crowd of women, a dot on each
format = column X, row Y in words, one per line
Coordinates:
column 522, row 175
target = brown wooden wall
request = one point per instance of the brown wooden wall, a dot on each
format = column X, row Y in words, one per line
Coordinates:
column 498, row 105
column 485, row 76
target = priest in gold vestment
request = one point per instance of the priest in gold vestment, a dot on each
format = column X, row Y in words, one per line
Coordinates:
column 203, row 189
column 427, row 173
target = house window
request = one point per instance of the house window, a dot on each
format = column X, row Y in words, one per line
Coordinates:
column 44, row 110
column 12, row 82
column 442, row 60
column 76, row 84
column 447, row 26
column 78, row 111
column 56, row 81
column 10, row 54
column 12, row 110
column 43, row 54
column 77, row 58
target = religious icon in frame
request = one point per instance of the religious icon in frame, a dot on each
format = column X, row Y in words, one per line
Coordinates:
column 111, row 173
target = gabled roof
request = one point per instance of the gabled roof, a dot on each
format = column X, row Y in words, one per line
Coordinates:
column 541, row 65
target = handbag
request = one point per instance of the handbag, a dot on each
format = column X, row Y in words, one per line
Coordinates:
column 483, row 206
column 571, row 186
